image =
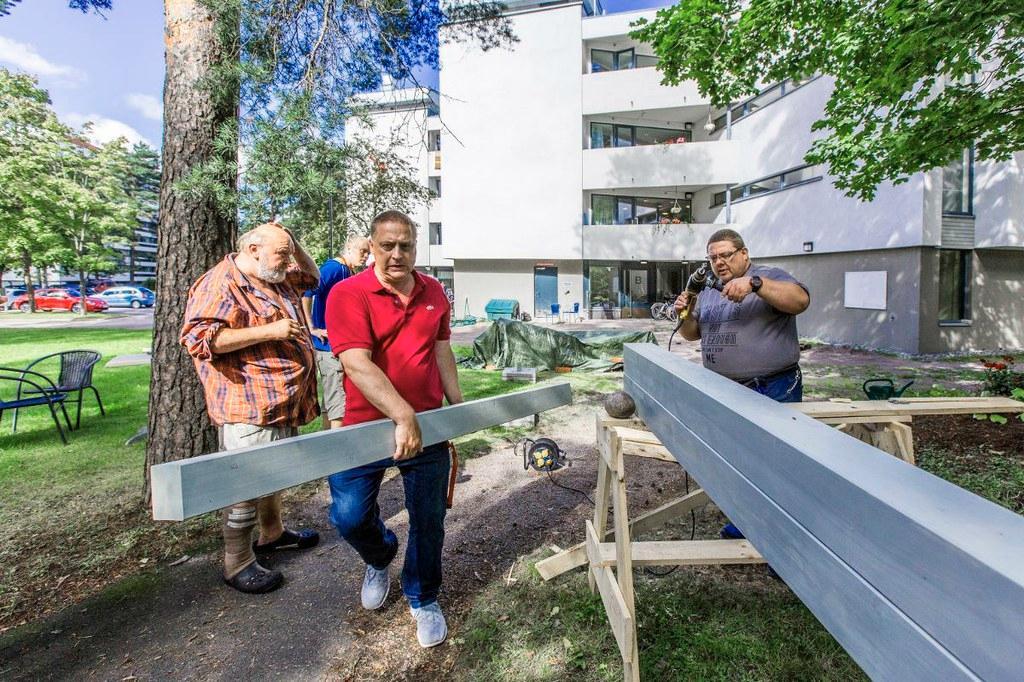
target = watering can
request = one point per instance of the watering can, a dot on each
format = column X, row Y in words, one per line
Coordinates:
column 883, row 389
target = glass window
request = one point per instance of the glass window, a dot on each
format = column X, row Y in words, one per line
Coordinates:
column 799, row 175
column 623, row 136
column 435, row 234
column 954, row 281
column 643, row 61
column 762, row 186
column 956, row 185
column 604, row 285
column 646, row 136
column 650, row 210
column 624, row 60
column 718, row 199
column 603, row 208
column 602, row 60
column 623, row 211
column 600, row 135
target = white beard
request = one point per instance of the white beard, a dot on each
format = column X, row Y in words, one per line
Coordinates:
column 270, row 275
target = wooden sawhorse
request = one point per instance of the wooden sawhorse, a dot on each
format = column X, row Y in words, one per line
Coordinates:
column 611, row 563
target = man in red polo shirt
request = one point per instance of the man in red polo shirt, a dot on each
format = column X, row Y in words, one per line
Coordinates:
column 389, row 327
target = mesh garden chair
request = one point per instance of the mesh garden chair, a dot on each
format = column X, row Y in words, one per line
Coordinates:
column 30, row 390
column 75, row 375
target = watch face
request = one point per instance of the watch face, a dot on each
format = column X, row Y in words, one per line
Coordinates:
column 755, row 283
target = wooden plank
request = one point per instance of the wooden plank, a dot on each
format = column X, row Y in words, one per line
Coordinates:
column 916, row 578
column 576, row 556
column 623, row 551
column 909, row 406
column 601, row 496
column 684, row 553
column 619, row 617
column 189, row 487
column 850, row 419
column 905, row 441
column 635, row 435
column 659, row 452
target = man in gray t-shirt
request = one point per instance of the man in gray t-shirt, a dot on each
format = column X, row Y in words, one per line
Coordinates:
column 748, row 329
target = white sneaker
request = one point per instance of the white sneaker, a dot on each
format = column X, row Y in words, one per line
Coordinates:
column 376, row 585
column 431, row 628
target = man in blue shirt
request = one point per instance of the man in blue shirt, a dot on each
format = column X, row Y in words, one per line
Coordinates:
column 353, row 257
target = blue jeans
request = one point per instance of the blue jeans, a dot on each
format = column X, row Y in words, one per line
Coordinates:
column 356, row 515
column 787, row 387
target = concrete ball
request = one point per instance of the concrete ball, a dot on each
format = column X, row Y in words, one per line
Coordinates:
column 619, row 405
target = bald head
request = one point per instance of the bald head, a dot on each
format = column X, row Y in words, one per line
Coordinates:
column 266, row 252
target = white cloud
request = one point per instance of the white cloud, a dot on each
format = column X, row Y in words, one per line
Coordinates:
column 147, row 105
column 25, row 57
column 105, row 129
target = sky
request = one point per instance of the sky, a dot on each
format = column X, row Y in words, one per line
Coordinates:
column 110, row 70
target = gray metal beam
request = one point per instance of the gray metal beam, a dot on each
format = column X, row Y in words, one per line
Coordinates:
column 915, row 577
column 190, row 487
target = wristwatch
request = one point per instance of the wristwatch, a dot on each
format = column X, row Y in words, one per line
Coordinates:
column 755, row 283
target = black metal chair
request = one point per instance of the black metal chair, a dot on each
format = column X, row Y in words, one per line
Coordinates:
column 75, row 375
column 38, row 389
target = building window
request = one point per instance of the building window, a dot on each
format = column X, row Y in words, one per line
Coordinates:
column 609, row 60
column 616, row 210
column 954, row 286
column 761, row 100
column 958, row 185
column 434, row 185
column 794, row 177
column 434, row 141
column 603, row 135
column 435, row 234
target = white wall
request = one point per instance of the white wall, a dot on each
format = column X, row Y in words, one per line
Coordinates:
column 409, row 126
column 634, row 90
column 999, row 203
column 775, row 139
column 613, row 25
column 513, row 157
column 481, row 280
column 661, row 165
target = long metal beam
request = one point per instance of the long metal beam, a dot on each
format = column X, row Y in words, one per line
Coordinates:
column 915, row 577
column 190, row 487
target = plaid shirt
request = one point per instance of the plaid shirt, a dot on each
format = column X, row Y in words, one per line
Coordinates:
column 268, row 383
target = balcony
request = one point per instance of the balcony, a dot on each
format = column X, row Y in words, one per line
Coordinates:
column 680, row 242
column 661, row 165
column 634, row 90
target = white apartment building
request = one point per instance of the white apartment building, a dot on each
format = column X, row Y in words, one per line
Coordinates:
column 572, row 176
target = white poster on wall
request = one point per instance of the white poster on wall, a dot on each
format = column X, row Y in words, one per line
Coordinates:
column 865, row 290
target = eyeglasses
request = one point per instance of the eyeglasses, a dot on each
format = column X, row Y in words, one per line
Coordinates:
column 715, row 257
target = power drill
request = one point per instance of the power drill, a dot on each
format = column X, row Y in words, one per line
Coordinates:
column 701, row 279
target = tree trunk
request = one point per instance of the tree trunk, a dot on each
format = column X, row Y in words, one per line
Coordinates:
column 82, row 292
column 192, row 236
column 26, row 269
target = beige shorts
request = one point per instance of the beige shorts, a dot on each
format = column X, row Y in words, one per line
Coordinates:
column 330, row 376
column 234, row 436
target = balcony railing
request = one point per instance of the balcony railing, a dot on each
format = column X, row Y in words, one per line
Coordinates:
column 634, row 90
column 678, row 242
column 664, row 165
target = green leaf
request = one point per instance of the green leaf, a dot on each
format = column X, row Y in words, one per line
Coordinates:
column 980, row 417
column 997, row 418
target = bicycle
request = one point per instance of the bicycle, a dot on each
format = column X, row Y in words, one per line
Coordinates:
column 664, row 310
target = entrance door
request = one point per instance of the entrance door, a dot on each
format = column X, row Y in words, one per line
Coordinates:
column 545, row 289
column 637, row 288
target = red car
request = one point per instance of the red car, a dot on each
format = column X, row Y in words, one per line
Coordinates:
column 59, row 299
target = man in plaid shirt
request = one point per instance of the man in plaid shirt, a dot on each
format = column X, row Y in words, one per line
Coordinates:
column 247, row 334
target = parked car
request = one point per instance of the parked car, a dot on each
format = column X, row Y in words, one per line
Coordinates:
column 59, row 299
column 7, row 297
column 128, row 297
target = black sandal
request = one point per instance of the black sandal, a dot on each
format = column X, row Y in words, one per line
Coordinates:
column 254, row 579
column 289, row 540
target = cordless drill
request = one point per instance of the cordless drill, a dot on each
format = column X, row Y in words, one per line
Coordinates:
column 701, row 279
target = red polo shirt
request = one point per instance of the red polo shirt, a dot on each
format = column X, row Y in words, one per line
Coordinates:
column 361, row 313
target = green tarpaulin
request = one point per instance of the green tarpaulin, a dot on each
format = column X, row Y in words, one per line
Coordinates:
column 509, row 343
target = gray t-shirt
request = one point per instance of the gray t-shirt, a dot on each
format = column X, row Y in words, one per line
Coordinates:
column 750, row 338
